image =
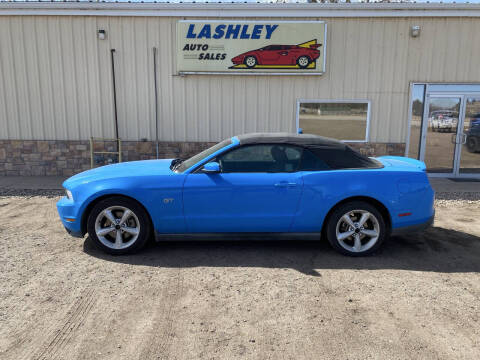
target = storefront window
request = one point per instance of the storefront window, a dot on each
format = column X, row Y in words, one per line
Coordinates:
column 342, row 120
column 418, row 95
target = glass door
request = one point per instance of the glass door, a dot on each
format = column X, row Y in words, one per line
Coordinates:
column 470, row 137
column 440, row 136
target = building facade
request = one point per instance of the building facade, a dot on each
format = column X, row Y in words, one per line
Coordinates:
column 393, row 74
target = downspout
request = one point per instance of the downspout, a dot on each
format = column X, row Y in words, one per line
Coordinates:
column 112, row 52
column 156, row 95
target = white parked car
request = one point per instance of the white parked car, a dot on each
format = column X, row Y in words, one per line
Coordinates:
column 444, row 121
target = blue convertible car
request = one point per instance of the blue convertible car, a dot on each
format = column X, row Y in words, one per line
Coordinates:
column 262, row 185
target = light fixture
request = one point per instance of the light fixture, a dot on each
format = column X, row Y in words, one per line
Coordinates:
column 415, row 31
column 102, row 34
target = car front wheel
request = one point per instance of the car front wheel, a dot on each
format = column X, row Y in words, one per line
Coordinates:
column 118, row 225
column 356, row 229
column 250, row 61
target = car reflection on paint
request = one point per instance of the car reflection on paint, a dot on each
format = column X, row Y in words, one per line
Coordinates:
column 278, row 55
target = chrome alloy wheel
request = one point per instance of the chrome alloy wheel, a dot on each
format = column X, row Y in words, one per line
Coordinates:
column 357, row 230
column 117, row 227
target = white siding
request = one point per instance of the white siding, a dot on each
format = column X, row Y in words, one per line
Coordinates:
column 55, row 78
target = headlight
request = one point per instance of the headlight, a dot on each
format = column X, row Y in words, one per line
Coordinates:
column 69, row 194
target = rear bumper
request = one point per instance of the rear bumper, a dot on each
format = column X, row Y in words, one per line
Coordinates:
column 413, row 228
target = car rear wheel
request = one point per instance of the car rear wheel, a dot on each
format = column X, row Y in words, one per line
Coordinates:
column 356, row 229
column 250, row 61
column 303, row 61
column 118, row 225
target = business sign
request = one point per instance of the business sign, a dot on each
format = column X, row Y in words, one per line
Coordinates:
column 244, row 47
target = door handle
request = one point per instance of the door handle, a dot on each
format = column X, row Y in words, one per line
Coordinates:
column 462, row 141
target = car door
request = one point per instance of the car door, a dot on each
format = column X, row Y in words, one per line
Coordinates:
column 257, row 190
column 271, row 55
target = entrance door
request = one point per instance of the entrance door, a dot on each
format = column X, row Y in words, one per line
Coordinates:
column 470, row 137
column 449, row 135
column 440, row 135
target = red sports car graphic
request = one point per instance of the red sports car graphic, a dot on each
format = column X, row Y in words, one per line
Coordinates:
column 301, row 56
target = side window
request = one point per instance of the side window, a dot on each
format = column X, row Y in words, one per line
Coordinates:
column 261, row 158
column 275, row 47
column 347, row 158
column 311, row 162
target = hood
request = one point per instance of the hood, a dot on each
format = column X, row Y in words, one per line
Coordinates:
column 125, row 169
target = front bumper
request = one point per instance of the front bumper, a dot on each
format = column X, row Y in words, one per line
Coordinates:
column 77, row 234
column 237, row 60
column 68, row 212
column 413, row 228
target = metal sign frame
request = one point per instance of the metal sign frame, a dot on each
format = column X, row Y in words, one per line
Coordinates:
column 254, row 73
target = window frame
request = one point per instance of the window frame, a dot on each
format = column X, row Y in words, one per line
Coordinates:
column 336, row 101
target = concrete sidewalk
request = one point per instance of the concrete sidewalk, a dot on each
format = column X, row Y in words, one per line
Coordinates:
column 440, row 185
column 443, row 185
column 32, row 182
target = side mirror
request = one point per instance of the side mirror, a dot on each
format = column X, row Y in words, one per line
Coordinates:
column 211, row 168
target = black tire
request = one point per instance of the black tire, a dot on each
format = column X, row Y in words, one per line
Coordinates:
column 139, row 214
column 472, row 144
column 345, row 209
column 303, row 61
column 250, row 61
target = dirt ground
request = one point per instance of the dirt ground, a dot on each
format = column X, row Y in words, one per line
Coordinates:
column 60, row 298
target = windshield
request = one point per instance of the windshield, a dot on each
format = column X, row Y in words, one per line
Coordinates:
column 184, row 165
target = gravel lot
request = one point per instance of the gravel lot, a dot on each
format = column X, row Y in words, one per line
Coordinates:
column 61, row 298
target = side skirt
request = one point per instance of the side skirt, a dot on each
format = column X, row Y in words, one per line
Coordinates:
column 237, row 236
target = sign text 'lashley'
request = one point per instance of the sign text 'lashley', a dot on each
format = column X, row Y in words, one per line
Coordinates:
column 232, row 31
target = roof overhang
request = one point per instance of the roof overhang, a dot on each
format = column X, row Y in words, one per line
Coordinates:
column 225, row 10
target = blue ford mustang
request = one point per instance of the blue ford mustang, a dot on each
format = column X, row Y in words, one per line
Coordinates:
column 262, row 185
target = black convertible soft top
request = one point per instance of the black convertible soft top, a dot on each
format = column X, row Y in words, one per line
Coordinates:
column 307, row 140
column 334, row 153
